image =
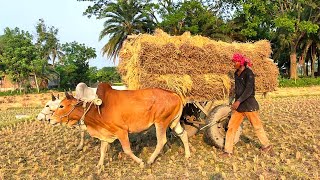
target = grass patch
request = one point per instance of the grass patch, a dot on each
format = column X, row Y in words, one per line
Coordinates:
column 17, row 92
column 300, row 82
column 8, row 117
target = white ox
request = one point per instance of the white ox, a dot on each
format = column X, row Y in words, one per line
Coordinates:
column 83, row 92
column 49, row 108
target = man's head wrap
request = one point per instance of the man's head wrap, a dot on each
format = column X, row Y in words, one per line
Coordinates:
column 237, row 57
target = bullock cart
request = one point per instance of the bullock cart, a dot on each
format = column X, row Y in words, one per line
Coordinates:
column 197, row 68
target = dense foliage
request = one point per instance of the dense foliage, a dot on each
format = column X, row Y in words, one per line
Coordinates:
column 74, row 65
column 301, row 82
column 25, row 59
column 105, row 74
column 291, row 26
column 19, row 56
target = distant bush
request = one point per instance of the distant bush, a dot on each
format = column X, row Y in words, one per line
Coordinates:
column 300, row 82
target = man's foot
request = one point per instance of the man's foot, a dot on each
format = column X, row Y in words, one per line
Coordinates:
column 268, row 150
column 225, row 155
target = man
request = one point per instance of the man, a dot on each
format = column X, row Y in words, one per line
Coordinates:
column 245, row 105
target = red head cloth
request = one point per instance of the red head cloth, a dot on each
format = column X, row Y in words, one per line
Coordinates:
column 237, row 57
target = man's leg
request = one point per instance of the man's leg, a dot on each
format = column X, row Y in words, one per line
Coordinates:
column 258, row 127
column 234, row 123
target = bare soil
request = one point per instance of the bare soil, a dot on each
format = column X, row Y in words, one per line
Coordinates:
column 36, row 150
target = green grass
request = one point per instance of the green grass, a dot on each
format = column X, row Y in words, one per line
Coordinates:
column 118, row 84
column 300, row 82
column 17, row 92
column 8, row 117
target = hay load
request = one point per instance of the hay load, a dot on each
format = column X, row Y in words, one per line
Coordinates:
column 197, row 67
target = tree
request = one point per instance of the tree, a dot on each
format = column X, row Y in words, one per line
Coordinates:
column 47, row 42
column 305, row 45
column 92, row 75
column 287, row 22
column 293, row 21
column 2, row 65
column 190, row 16
column 19, row 55
column 123, row 17
column 108, row 74
column 48, row 46
column 74, row 65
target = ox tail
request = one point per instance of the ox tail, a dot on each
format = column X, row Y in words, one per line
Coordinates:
column 176, row 119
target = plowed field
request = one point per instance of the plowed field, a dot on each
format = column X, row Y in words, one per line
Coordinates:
column 36, row 150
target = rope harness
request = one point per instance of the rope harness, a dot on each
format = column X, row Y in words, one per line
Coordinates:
column 86, row 109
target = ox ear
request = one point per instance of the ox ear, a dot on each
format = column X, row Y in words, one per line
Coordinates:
column 53, row 98
column 68, row 96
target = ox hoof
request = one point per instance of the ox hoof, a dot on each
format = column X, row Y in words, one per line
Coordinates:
column 150, row 162
column 187, row 156
column 141, row 165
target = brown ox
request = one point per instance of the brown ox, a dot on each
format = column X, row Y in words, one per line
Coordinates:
column 123, row 112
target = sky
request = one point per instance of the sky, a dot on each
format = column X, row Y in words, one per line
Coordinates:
column 65, row 15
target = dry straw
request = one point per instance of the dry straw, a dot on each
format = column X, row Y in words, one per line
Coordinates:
column 194, row 66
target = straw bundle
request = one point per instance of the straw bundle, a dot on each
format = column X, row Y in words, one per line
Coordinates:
column 194, row 66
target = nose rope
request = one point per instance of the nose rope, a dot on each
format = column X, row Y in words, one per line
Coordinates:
column 81, row 121
column 67, row 115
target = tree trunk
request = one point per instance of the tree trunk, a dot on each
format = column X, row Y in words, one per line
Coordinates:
column 303, row 57
column 53, row 60
column 293, row 64
column 313, row 59
column 36, row 80
column 318, row 73
column 293, row 56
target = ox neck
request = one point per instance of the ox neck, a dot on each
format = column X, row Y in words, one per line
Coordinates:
column 86, row 109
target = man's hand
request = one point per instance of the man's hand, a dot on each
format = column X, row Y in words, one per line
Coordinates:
column 235, row 105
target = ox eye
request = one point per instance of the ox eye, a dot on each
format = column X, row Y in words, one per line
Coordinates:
column 47, row 105
column 61, row 106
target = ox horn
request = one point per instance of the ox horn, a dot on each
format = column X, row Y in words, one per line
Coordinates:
column 53, row 97
column 68, row 96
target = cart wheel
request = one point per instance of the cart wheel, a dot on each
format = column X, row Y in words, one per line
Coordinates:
column 216, row 134
column 191, row 129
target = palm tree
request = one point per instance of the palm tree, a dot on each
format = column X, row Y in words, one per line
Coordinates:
column 124, row 17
